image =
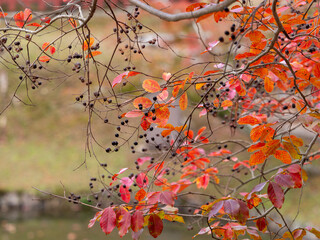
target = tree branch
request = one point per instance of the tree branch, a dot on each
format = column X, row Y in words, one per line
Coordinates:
column 182, row 16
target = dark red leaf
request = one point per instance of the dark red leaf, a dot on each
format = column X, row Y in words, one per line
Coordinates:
column 275, row 194
column 155, row 225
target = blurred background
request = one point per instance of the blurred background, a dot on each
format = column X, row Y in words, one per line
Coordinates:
column 43, row 145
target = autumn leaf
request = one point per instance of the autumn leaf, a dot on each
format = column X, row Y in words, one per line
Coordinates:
column 108, row 220
column 303, row 73
column 142, row 180
column 155, row 225
column 93, row 54
column 257, row 158
column 226, row 103
column 44, row 58
column 143, row 101
column 151, row 86
column 167, row 198
column 22, row 18
column 124, row 223
column 140, row 195
column 316, row 70
column 183, row 102
column 249, row 120
column 2, row 14
column 87, row 43
column 284, row 180
column 215, row 209
column 275, row 194
column 268, row 85
column 283, row 156
column 125, row 194
column 262, row 224
column 231, row 207
column 137, row 221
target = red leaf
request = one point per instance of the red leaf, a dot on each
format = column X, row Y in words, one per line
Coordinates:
column 167, row 198
column 151, row 86
column 45, row 20
column 18, row 18
column 137, row 221
column 125, row 194
column 27, row 15
column 108, row 220
column 155, row 225
column 3, row 14
column 44, row 58
column 145, row 124
column 142, row 180
column 183, row 102
column 275, row 194
column 124, row 223
column 119, row 78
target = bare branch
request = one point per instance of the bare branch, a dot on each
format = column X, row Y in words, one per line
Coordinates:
column 182, row 16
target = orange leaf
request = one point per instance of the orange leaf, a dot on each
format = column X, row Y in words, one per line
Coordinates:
column 92, row 54
column 44, row 59
column 268, row 84
column 226, row 103
column 249, row 120
column 257, row 158
column 34, row 25
column 271, row 147
column 195, row 6
column 255, row 36
column 167, row 132
column 140, row 195
column 256, row 133
column 303, row 73
column 151, row 86
column 283, row 156
column 298, row 142
column 183, row 102
column 45, row 46
column 145, row 102
column 316, row 70
column 87, row 43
